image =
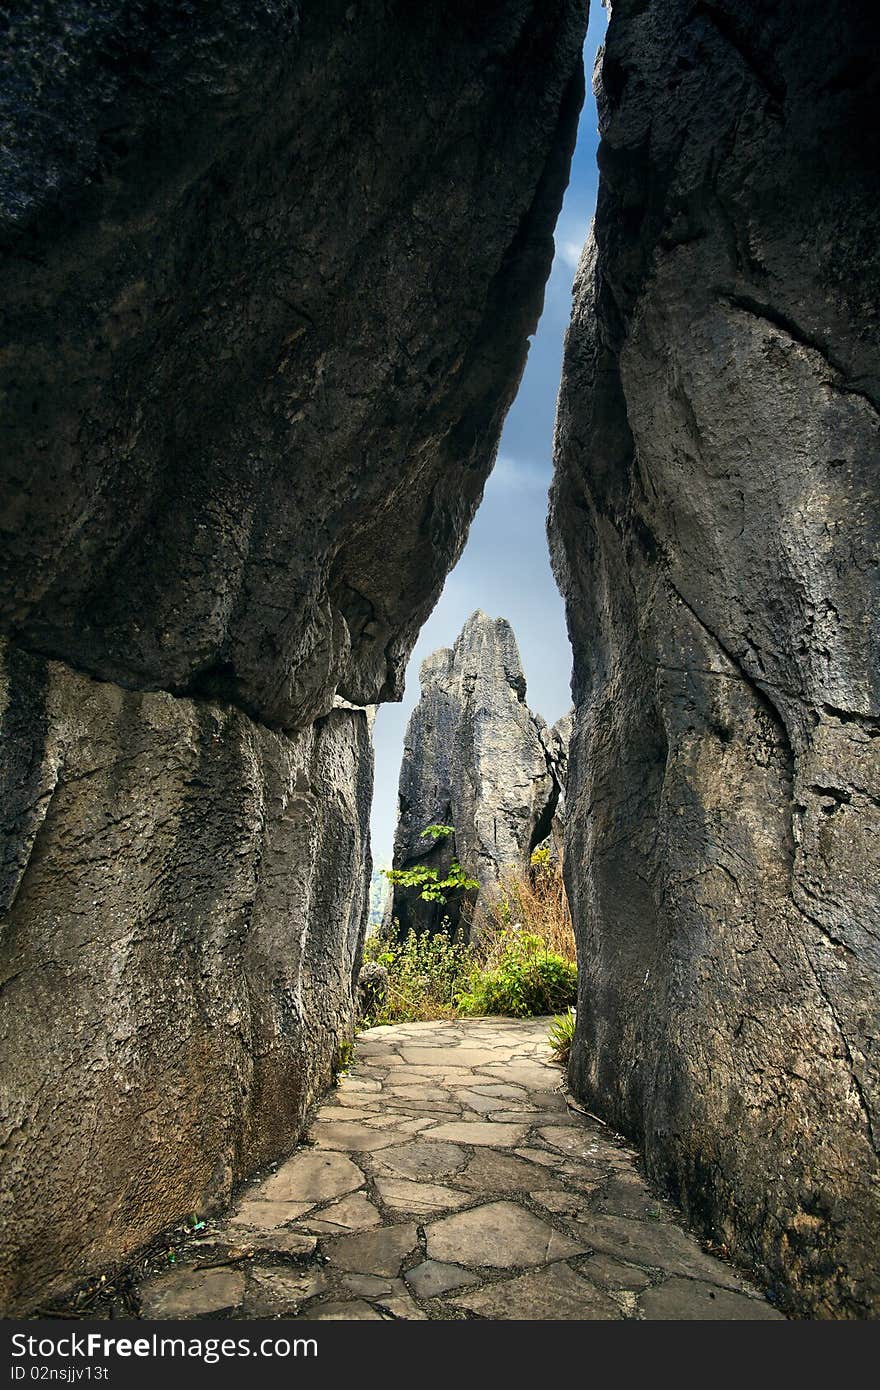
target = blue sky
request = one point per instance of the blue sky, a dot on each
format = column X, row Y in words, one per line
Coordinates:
column 505, row 567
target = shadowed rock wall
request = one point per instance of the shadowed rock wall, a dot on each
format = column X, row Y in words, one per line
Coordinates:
column 715, row 531
column 268, row 276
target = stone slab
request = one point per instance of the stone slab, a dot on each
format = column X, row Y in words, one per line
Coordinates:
column 479, row 1132
column 352, row 1310
column 555, row 1294
column 420, row 1198
column 282, row 1291
column 192, row 1293
column 422, row 1158
column 655, row 1245
column 574, row 1205
column 464, row 1057
column 310, row 1177
column 609, row 1273
column 275, row 1242
column 692, row 1300
column 493, row 1172
column 350, row 1138
column 373, row 1252
column 499, row 1235
column 267, row 1216
column 502, row 1092
column 352, row 1213
column 432, row 1278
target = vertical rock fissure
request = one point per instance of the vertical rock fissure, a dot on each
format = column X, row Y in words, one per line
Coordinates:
column 763, row 697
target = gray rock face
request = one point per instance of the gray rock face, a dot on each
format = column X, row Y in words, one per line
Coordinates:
column 268, row 276
column 173, row 989
column 557, row 741
column 477, row 758
column 715, row 531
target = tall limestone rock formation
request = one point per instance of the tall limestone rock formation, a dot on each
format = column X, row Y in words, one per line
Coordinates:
column 476, row 758
column 715, row 531
column 269, row 271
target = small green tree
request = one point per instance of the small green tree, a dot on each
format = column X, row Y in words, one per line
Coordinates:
column 427, row 881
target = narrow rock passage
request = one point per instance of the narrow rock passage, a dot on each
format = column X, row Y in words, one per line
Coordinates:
column 447, row 1177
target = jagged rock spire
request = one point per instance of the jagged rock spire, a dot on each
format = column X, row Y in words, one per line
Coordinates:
column 477, row 758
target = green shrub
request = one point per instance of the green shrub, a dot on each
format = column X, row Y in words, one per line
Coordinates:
column 521, row 962
column 426, row 973
column 526, row 979
column 560, row 1035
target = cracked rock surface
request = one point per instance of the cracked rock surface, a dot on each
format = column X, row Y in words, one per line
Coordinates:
column 477, row 758
column 552, row 1223
column 715, row 532
column 172, row 995
column 268, row 274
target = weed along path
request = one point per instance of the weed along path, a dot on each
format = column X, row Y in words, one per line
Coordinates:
column 447, row 1177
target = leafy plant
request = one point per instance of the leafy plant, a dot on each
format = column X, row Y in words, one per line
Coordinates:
column 528, row 979
column 426, row 880
column 342, row 1057
column 426, row 973
column 560, row 1035
column 520, row 961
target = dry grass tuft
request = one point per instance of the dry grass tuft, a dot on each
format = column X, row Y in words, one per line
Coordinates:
column 533, row 903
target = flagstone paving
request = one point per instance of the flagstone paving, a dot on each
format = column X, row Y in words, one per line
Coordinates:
column 448, row 1176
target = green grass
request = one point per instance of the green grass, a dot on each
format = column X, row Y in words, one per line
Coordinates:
column 513, row 973
column 560, row 1035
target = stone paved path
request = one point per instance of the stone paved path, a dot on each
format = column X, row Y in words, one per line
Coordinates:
column 447, row 1177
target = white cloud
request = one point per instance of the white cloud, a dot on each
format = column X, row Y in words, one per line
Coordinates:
column 515, row 475
column 569, row 252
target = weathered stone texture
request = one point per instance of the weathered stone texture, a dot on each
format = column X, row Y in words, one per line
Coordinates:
column 502, row 1236
column 715, row 531
column 271, row 270
column 477, row 758
column 183, row 897
column 268, row 276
